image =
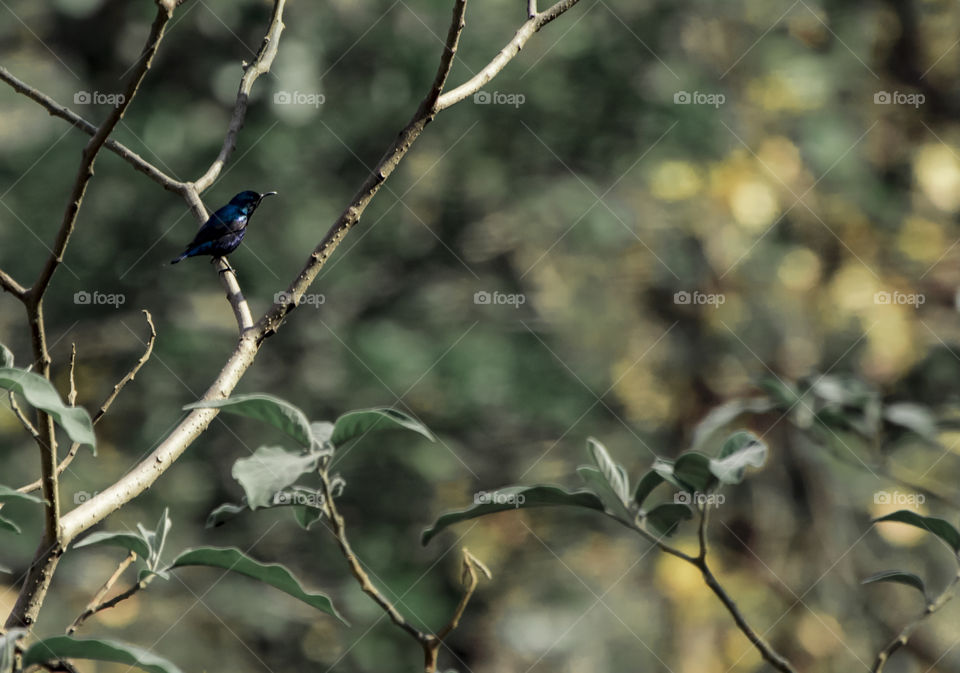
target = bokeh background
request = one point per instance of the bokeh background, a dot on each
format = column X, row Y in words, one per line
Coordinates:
column 788, row 189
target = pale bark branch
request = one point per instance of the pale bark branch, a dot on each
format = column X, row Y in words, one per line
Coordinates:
column 96, row 603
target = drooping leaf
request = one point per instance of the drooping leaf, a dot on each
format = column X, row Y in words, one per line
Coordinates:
column 129, row 541
column 65, row 647
column 614, row 473
column 273, row 574
column 721, row 416
column 664, row 468
column 356, row 423
column 665, row 518
column 220, row 515
column 41, row 394
column 602, row 488
column 648, row 482
column 914, row 417
column 270, row 469
column 942, row 529
column 7, row 493
column 8, row 525
column 693, row 470
column 900, row 577
column 8, row 650
column 306, row 516
column 740, row 450
column 155, row 538
column 278, row 413
column 515, row 497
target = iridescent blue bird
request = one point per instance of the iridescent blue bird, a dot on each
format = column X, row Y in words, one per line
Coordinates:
column 222, row 233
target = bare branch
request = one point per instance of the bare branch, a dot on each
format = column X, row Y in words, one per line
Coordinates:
column 534, row 23
column 260, row 65
column 24, row 421
column 96, row 604
column 531, row 9
column 72, row 395
column 10, row 285
column 105, row 405
column 63, row 112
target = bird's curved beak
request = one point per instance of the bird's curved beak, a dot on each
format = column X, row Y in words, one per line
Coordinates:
column 266, row 194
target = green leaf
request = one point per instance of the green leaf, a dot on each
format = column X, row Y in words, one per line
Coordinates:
column 740, row 450
column 7, row 493
column 155, row 538
column 693, row 470
column 900, row 577
column 41, row 394
column 8, row 651
column 278, row 413
column 599, row 484
column 321, row 432
column 220, row 515
column 8, row 525
column 65, row 647
column 914, row 417
column 614, row 473
column 128, row 541
column 356, row 423
column 6, row 359
column 306, row 516
column 665, row 469
column 270, row 469
column 938, row 527
column 273, row 574
column 721, row 416
column 784, row 394
column 665, row 518
column 648, row 482
column 515, row 497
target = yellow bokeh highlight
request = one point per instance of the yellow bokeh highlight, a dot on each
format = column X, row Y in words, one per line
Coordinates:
column 937, row 170
column 896, row 533
column 799, row 269
column 921, row 239
column 675, row 181
column 820, row 634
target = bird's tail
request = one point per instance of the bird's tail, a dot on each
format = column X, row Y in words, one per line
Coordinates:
column 178, row 259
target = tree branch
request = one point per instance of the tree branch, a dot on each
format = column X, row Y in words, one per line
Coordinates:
column 260, row 65
column 105, row 405
column 96, row 604
column 904, row 635
column 507, row 54
column 10, row 285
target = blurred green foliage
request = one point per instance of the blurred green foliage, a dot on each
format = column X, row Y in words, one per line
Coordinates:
column 598, row 199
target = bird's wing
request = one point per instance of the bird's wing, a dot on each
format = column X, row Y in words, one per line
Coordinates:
column 227, row 220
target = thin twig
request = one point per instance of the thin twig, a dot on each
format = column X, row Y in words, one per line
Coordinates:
column 531, row 9
column 96, row 603
column 24, row 421
column 72, row 395
column 8, row 283
column 904, row 636
column 105, row 405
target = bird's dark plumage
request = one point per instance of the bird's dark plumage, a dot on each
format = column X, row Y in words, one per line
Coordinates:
column 222, row 233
